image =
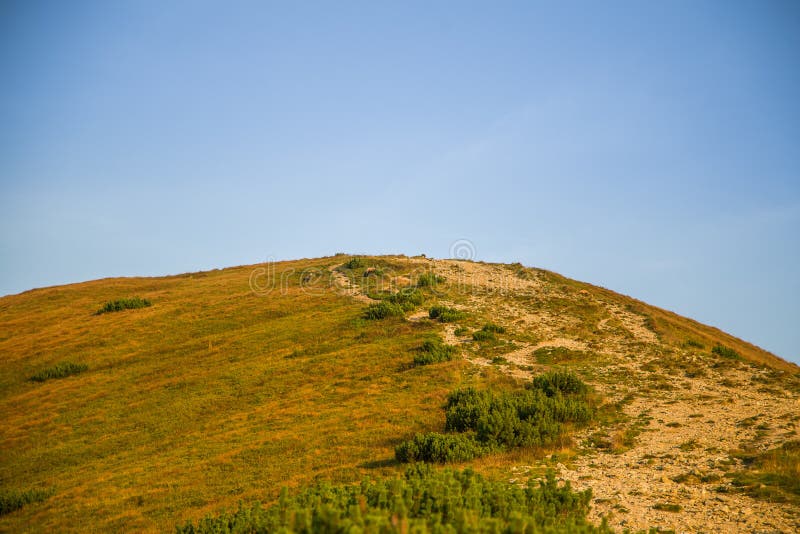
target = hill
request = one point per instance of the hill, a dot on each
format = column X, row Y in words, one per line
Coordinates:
column 139, row 404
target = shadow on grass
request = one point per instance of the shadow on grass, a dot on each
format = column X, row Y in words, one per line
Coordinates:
column 379, row 464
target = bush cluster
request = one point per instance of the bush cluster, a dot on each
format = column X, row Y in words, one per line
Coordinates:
column 434, row 351
column 394, row 305
column 408, row 299
column 382, row 310
column 532, row 417
column 423, row 501
column 560, row 382
column 725, row 352
column 491, row 327
column 440, row 448
column 354, row 263
column 429, row 280
column 445, row 314
column 123, row 304
column 488, row 332
column 60, row 370
column 480, row 335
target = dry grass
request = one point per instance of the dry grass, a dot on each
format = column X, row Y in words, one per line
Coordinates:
column 211, row 396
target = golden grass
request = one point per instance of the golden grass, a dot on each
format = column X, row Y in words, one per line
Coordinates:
column 211, row 396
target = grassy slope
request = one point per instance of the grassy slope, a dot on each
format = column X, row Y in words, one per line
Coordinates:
column 214, row 395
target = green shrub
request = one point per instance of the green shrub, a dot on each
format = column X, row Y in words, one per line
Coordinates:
column 564, row 382
column 445, row 314
column 123, row 304
column 382, row 310
column 694, row 344
column 726, row 352
column 491, row 327
column 434, row 351
column 11, row 500
column 408, row 299
column 60, row 370
column 488, row 332
column 461, row 331
column 423, row 501
column 439, row 448
column 482, row 335
column 354, row 263
column 525, row 418
column 429, row 280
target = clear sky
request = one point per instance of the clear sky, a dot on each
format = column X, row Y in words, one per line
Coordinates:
column 649, row 147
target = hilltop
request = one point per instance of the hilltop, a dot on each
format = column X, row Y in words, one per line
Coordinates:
column 138, row 404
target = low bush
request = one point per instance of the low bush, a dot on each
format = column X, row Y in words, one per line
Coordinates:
column 425, row 500
column 488, row 332
column 725, row 352
column 439, row 448
column 123, row 304
column 60, row 370
column 531, row 417
column 354, row 263
column 434, row 351
column 429, row 280
column 694, row 344
column 564, row 382
column 445, row 314
column 382, row 310
column 482, row 335
column 408, row 299
column 12, row 500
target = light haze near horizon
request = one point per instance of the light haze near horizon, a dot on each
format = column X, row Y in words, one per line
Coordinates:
column 649, row 147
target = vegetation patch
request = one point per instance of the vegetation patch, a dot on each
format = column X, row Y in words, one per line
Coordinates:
column 693, row 344
column 382, row 310
column 123, row 304
column 429, row 280
column 354, row 263
column 446, row 314
column 491, row 327
column 726, row 352
column 773, row 475
column 440, row 448
column 434, row 351
column 667, row 507
column 424, row 500
column 533, row 417
column 60, row 370
column 12, row 500
column 482, row 335
column 408, row 299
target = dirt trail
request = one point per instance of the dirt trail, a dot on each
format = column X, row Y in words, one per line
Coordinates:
column 343, row 285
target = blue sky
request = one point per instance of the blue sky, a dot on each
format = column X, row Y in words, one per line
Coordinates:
column 649, row 147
